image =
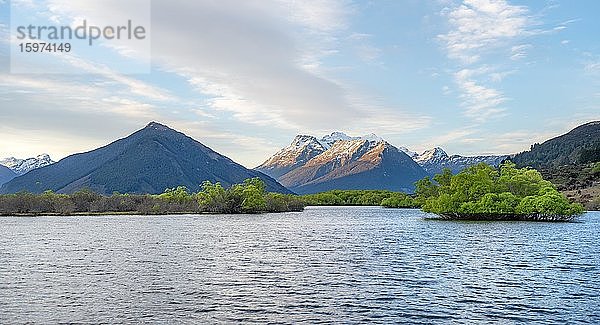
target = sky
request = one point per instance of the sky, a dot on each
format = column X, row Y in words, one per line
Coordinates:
column 244, row 77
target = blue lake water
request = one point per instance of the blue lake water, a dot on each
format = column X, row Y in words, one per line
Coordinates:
column 324, row 265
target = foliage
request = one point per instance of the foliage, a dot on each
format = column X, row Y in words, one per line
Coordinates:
column 248, row 197
column 398, row 200
column 581, row 145
column 359, row 198
column 589, row 155
column 483, row 191
column 277, row 202
column 596, row 168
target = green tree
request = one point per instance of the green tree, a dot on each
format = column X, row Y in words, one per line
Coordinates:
column 482, row 190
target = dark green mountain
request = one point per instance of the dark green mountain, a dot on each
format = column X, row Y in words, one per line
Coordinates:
column 148, row 161
column 6, row 174
column 579, row 146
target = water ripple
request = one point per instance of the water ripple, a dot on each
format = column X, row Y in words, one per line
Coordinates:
column 322, row 266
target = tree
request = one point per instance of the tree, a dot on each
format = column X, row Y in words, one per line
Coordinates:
column 254, row 199
column 483, row 191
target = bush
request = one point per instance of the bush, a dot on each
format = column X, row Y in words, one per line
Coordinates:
column 482, row 191
column 360, row 198
column 248, row 197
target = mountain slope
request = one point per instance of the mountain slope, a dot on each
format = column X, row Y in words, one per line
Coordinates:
column 23, row 166
column 302, row 149
column 348, row 163
column 436, row 159
column 6, row 174
column 580, row 145
column 148, row 161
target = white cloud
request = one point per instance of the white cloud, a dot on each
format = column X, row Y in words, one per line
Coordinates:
column 519, row 52
column 480, row 26
column 258, row 62
column 592, row 67
column 478, row 29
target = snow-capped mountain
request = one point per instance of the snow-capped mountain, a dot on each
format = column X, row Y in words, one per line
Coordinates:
column 409, row 152
column 436, row 159
column 332, row 138
column 432, row 156
column 23, row 166
column 302, row 149
column 339, row 161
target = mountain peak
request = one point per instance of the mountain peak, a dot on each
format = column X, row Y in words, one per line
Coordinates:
column 23, row 166
column 432, row 155
column 332, row 138
column 157, row 126
column 303, row 138
column 148, row 161
column 372, row 138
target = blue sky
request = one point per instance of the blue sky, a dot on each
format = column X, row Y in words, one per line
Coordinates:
column 244, row 77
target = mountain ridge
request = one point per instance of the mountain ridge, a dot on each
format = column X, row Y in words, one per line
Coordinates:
column 147, row 161
column 580, row 145
column 23, row 166
column 339, row 161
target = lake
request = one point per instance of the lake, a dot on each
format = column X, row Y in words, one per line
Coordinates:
column 324, row 265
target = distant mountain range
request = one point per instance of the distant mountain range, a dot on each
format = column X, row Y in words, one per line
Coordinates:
column 339, row 161
column 157, row 157
column 436, row 159
column 580, row 145
column 148, row 161
column 23, row 166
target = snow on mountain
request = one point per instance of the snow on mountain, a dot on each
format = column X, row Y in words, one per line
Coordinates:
column 302, row 149
column 436, row 159
column 309, row 164
column 339, row 161
column 409, row 152
column 23, row 166
column 305, row 147
column 434, row 155
column 332, row 138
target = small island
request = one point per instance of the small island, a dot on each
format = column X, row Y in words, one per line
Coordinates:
column 482, row 192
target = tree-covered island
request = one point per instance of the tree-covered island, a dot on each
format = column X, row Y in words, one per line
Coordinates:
column 482, row 192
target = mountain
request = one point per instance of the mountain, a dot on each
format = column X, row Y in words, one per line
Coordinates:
column 580, row 145
column 302, row 149
column 338, row 161
column 6, row 174
column 148, row 161
column 23, row 166
column 436, row 159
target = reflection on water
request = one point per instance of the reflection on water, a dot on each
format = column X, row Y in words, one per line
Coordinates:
column 353, row 265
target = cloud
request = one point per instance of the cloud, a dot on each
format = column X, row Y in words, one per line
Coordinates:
column 478, row 29
column 247, row 65
column 592, row 67
column 259, row 60
column 480, row 26
column 519, row 52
